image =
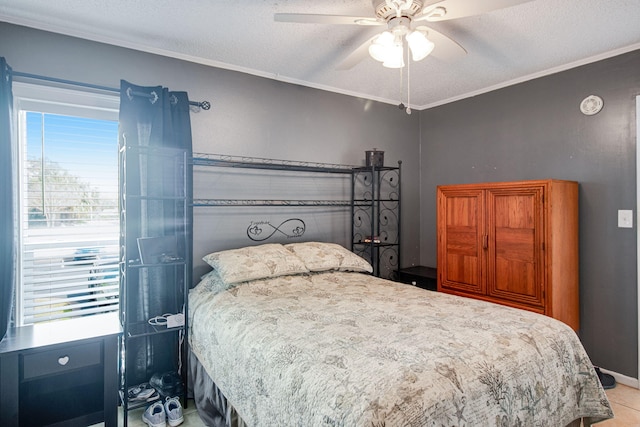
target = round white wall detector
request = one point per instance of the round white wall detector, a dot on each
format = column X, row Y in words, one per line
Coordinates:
column 591, row 105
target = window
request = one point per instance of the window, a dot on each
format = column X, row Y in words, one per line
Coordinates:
column 68, row 212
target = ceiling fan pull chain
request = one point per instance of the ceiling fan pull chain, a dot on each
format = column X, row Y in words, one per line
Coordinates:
column 401, row 105
column 408, row 110
column 401, row 85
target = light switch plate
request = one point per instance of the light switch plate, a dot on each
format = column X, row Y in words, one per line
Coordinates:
column 625, row 218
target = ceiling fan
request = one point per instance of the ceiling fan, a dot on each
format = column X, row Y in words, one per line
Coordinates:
column 403, row 19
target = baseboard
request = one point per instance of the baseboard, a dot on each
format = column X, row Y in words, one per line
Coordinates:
column 623, row 379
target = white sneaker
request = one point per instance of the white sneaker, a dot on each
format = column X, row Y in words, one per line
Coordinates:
column 154, row 415
column 173, row 409
column 142, row 393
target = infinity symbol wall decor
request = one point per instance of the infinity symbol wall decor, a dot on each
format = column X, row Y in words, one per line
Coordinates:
column 291, row 228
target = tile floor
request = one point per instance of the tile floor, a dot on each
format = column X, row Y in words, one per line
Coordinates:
column 624, row 400
column 191, row 418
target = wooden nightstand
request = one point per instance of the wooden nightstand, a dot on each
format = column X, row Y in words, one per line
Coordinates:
column 423, row 277
column 62, row 373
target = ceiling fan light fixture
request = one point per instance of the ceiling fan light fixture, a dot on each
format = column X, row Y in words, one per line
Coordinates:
column 381, row 46
column 387, row 48
column 395, row 57
column 419, row 45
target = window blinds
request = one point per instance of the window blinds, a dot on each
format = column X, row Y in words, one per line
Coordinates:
column 69, row 217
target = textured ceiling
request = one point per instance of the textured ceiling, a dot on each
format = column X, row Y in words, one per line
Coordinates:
column 505, row 46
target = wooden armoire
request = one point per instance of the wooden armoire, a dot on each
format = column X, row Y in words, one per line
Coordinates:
column 512, row 243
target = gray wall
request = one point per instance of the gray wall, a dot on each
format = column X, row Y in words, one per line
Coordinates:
column 536, row 130
column 250, row 115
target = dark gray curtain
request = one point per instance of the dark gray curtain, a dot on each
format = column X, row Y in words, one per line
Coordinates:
column 152, row 117
column 7, row 242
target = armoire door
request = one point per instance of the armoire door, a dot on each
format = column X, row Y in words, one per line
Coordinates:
column 515, row 256
column 461, row 217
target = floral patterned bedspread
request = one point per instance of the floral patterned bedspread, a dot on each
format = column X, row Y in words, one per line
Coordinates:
column 349, row 349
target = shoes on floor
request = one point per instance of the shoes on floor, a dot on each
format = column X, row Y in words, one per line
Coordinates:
column 142, row 393
column 607, row 381
column 154, row 415
column 173, row 409
column 168, row 384
column 158, row 414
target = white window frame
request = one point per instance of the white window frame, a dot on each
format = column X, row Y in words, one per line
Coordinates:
column 53, row 100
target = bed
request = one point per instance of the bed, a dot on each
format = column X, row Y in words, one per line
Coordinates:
column 301, row 334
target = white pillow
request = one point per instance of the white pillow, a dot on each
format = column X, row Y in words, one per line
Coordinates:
column 255, row 262
column 320, row 256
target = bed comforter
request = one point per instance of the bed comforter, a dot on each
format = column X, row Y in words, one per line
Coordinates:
column 349, row 349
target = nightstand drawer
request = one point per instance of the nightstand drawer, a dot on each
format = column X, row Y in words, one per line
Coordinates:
column 420, row 276
column 61, row 360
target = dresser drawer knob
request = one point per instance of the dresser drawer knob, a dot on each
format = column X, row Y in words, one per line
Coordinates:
column 63, row 360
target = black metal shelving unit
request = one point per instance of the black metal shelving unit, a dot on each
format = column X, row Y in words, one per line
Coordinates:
column 175, row 274
column 376, row 217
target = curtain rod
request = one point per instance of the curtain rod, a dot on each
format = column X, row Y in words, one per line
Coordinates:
column 205, row 105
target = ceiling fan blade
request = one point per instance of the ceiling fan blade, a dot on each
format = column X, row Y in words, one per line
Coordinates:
column 306, row 18
column 454, row 9
column 359, row 54
column 445, row 48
